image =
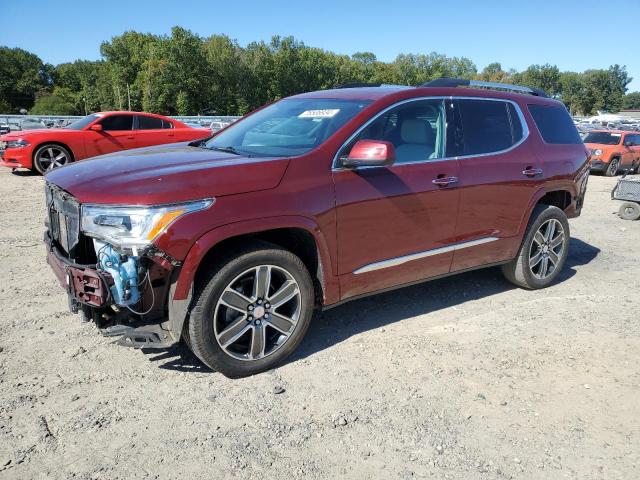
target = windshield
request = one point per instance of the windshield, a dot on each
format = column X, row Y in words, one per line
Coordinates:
column 603, row 138
column 83, row 122
column 287, row 128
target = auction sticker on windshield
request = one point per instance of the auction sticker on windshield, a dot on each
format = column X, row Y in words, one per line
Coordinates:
column 327, row 113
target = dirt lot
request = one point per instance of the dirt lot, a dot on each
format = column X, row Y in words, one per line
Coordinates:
column 462, row 378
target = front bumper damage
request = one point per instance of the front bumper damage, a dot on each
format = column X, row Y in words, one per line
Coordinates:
column 89, row 291
column 141, row 312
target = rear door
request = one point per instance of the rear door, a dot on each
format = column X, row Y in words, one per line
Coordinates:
column 153, row 131
column 498, row 176
column 116, row 134
column 396, row 224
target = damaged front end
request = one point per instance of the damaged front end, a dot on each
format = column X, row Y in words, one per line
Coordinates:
column 113, row 273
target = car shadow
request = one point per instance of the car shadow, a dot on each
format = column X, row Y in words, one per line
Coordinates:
column 336, row 325
column 25, row 173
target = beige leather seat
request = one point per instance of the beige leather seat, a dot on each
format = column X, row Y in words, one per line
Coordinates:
column 418, row 141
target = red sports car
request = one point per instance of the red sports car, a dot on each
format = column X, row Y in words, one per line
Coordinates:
column 95, row 134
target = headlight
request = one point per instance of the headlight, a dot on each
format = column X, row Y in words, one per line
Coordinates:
column 133, row 227
column 16, row 144
column 597, row 152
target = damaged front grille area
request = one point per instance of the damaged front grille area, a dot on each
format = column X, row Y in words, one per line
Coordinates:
column 63, row 219
column 63, row 211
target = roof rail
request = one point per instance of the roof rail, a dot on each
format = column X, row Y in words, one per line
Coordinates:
column 362, row 84
column 460, row 82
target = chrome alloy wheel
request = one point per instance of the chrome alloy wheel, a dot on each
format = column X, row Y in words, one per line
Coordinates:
column 52, row 157
column 547, row 249
column 257, row 312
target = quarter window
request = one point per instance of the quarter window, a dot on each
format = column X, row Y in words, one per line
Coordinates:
column 555, row 124
column 416, row 130
column 117, row 122
column 487, row 126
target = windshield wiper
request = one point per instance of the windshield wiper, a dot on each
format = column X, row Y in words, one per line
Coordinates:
column 228, row 149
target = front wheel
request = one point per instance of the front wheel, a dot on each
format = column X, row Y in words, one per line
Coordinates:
column 50, row 156
column 543, row 251
column 612, row 169
column 252, row 311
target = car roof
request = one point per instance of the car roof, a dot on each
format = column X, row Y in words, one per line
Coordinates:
column 128, row 112
column 377, row 93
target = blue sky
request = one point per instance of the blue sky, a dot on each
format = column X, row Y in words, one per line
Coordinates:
column 573, row 34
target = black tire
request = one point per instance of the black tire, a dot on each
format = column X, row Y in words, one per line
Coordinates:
column 629, row 211
column 612, row 169
column 520, row 270
column 208, row 304
column 43, row 155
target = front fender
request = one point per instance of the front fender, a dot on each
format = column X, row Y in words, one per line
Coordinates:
column 206, row 242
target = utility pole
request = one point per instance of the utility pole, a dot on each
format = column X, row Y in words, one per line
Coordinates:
column 129, row 97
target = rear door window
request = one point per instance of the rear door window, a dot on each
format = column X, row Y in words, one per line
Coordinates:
column 486, row 126
column 117, row 122
column 149, row 123
column 555, row 124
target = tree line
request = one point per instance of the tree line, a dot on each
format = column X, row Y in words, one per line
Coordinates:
column 186, row 74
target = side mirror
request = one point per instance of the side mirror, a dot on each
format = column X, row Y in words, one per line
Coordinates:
column 370, row 153
column 96, row 127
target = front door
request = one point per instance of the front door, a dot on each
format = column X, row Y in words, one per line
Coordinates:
column 396, row 224
column 117, row 134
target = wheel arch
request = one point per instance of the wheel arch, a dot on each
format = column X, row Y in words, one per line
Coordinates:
column 561, row 196
column 299, row 235
column 52, row 142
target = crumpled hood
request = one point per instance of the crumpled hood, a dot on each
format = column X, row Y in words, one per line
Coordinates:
column 166, row 174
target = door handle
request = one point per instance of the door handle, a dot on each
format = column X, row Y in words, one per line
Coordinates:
column 532, row 172
column 444, row 181
column 131, row 138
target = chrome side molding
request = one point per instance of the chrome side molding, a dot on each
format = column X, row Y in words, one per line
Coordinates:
column 392, row 262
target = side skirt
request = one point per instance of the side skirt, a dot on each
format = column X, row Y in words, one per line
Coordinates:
column 409, row 284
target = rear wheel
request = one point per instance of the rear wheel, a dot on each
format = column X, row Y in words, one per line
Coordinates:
column 629, row 211
column 50, row 156
column 612, row 169
column 252, row 311
column 544, row 250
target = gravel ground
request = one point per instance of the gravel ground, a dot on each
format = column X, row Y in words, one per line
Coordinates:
column 461, row 378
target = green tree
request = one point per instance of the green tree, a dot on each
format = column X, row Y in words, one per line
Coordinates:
column 494, row 73
column 22, row 75
column 631, row 101
column 546, row 77
column 51, row 104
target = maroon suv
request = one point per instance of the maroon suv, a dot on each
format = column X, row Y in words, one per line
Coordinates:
column 232, row 243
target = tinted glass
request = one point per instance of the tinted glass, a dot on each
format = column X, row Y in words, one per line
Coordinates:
column 289, row 127
column 82, row 122
column 555, row 124
column 117, row 122
column 416, row 130
column 149, row 123
column 166, row 124
column 603, row 138
column 516, row 124
column 486, row 126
